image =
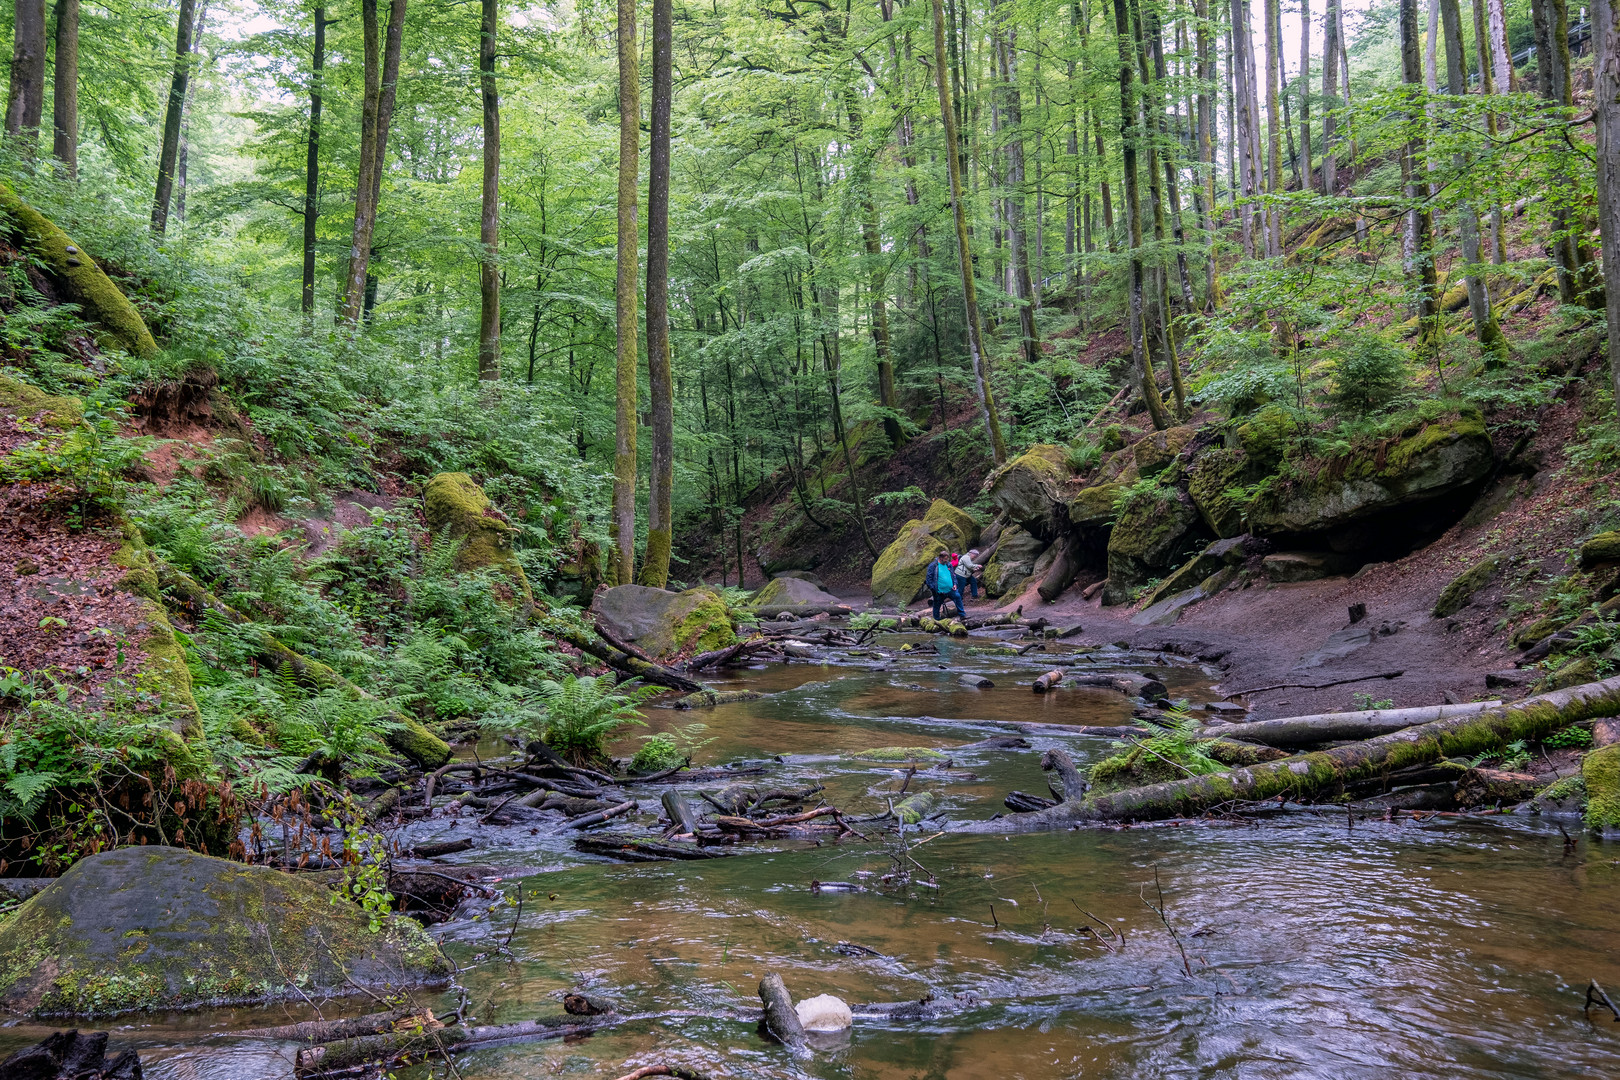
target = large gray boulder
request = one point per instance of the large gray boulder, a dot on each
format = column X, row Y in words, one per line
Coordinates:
column 663, row 623
column 897, row 576
column 797, row 596
column 162, row 928
column 1032, row 490
column 1013, row 562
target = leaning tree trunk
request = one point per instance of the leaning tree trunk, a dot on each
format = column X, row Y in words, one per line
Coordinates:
column 629, row 256
column 312, row 162
column 1486, row 332
column 1309, row 776
column 1606, row 61
column 170, row 152
column 964, row 255
column 25, row 103
column 65, row 88
column 660, row 523
column 489, row 222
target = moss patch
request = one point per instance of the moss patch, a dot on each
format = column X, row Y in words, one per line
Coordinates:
column 1455, row 596
column 1600, row 770
column 30, row 402
column 417, row 744
column 119, row 325
column 706, row 626
column 1602, row 548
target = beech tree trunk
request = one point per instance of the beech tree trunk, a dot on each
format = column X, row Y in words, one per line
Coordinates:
column 1488, row 87
column 1305, row 95
column 964, row 254
column 1606, row 63
column 1486, row 332
column 1330, row 95
column 376, row 115
column 1420, row 265
column 185, row 121
column 312, row 161
column 660, row 524
column 170, row 152
column 489, row 222
column 65, row 88
column 25, row 102
column 622, row 562
column 1274, row 180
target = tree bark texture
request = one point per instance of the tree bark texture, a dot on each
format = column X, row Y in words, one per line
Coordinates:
column 1419, row 225
column 1486, row 331
column 65, row 88
column 25, row 101
column 629, row 257
column 660, row 382
column 489, row 221
column 1330, row 95
column 169, row 154
column 1306, row 182
column 1274, row 181
column 354, row 287
column 970, row 300
column 1606, row 62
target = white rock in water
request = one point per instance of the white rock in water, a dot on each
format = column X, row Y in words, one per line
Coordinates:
column 824, row 1013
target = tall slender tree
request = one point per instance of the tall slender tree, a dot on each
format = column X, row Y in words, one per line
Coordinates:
column 25, row 102
column 312, row 159
column 169, row 154
column 1488, row 86
column 970, row 301
column 65, row 88
column 1420, row 260
column 629, row 258
column 1330, row 97
column 1606, row 111
column 1305, row 95
column 1486, row 332
column 489, row 220
column 381, row 87
column 1274, row 180
column 660, row 381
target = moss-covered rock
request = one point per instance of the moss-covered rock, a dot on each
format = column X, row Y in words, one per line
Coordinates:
column 796, row 596
column 1456, row 595
column 664, row 623
column 1150, row 536
column 1013, row 562
column 457, row 508
column 579, row 573
column 1030, row 489
column 164, row 674
column 31, row 403
column 118, row 324
column 1600, row 770
column 162, row 928
column 1111, row 438
column 1577, row 671
column 897, row 576
column 1602, row 548
column 1528, row 635
column 1223, row 479
column 1154, row 452
column 1437, row 458
column 1093, row 507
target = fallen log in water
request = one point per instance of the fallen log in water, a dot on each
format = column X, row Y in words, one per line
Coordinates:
column 1336, row 727
column 1129, row 684
column 640, row 849
column 322, row 1031
column 1048, row 681
column 781, row 1020
column 683, row 818
column 353, row 1057
column 656, row 674
column 1308, row 776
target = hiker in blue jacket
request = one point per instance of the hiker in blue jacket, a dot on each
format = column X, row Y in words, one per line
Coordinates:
column 941, row 582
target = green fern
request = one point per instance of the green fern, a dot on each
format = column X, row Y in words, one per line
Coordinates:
column 584, row 712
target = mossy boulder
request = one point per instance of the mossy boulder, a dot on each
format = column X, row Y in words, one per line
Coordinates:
column 1013, row 562
column 31, row 403
column 1431, row 460
column 1456, row 595
column 796, row 596
column 118, row 324
column 1111, row 438
column 1151, row 535
column 1602, row 548
column 664, row 623
column 1581, row 670
column 1223, row 479
column 1031, row 489
column 416, row 744
column 897, row 576
column 162, row 928
column 1093, row 507
column 457, row 508
column 1600, row 770
column 1528, row 635
column 1154, row 452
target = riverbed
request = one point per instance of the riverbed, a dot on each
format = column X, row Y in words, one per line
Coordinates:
column 1298, row 944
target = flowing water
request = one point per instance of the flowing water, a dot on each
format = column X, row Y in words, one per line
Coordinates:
column 1302, row 946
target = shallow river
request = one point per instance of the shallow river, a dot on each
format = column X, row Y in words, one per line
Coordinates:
column 1313, row 948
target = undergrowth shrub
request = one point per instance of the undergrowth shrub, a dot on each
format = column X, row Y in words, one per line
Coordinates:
column 583, row 712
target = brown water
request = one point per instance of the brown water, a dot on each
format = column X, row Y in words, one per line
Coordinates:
column 1455, row 949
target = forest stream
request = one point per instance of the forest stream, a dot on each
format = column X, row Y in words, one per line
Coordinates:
column 1314, row 946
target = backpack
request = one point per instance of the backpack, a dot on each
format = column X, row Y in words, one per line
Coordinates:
column 934, row 574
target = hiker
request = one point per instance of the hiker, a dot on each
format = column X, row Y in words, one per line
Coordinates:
column 968, row 570
column 941, row 582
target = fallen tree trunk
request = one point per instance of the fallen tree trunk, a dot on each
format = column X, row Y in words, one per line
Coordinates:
column 1335, row 727
column 682, row 817
column 1060, row 573
column 1306, row 776
column 349, row 1056
column 320, row 1031
column 1048, row 681
column 647, row 672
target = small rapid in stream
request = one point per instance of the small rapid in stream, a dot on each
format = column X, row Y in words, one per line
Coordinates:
column 1314, row 946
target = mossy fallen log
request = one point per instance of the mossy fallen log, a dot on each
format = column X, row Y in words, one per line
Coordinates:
column 1335, row 727
column 347, row 1057
column 119, row 325
column 1314, row 775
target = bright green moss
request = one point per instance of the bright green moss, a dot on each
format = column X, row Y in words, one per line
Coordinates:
column 455, row 506
column 1600, row 770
